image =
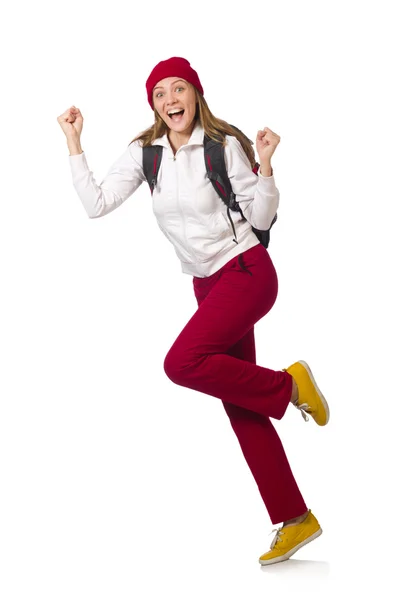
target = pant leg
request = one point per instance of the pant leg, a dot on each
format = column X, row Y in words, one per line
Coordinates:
column 234, row 301
column 263, row 450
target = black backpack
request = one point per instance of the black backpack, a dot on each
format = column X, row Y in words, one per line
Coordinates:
column 214, row 156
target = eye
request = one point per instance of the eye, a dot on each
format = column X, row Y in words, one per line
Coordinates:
column 161, row 93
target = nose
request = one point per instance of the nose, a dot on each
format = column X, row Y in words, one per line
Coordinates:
column 170, row 98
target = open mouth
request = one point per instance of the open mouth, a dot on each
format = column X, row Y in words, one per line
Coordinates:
column 177, row 116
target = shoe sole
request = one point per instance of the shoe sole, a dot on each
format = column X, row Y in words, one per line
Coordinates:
column 323, row 400
column 286, row 556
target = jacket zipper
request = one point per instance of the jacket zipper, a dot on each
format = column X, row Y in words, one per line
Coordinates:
column 179, row 207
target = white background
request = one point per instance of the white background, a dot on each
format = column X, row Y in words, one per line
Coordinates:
column 115, row 482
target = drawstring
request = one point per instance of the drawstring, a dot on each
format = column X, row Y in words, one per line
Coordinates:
column 242, row 265
column 240, row 256
column 231, row 220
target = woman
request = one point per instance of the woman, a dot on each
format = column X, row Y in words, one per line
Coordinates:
column 235, row 284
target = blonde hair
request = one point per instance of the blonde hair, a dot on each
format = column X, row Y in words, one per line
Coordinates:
column 214, row 128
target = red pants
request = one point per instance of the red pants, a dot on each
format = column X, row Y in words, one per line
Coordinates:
column 215, row 354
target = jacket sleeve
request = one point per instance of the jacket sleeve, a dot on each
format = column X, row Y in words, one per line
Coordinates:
column 257, row 196
column 123, row 178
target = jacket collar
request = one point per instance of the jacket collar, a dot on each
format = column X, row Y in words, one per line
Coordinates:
column 196, row 138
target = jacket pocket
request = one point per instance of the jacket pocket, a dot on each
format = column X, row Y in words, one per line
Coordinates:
column 209, row 239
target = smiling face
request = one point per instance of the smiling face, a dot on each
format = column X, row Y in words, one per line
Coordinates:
column 175, row 101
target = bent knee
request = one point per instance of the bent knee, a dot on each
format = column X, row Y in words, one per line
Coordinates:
column 177, row 367
column 172, row 367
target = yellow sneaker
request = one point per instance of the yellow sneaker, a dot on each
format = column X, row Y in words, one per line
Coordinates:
column 310, row 399
column 289, row 539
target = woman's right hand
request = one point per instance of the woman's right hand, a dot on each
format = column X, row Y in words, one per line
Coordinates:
column 71, row 122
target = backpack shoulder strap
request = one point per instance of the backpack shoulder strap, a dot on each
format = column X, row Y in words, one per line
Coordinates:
column 151, row 160
column 214, row 156
column 256, row 171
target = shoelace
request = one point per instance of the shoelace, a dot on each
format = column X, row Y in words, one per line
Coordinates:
column 304, row 408
column 277, row 537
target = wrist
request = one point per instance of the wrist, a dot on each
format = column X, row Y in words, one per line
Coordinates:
column 266, row 169
column 74, row 146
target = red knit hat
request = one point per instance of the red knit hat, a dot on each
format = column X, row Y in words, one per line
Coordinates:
column 173, row 67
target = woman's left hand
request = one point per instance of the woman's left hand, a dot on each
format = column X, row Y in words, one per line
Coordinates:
column 266, row 143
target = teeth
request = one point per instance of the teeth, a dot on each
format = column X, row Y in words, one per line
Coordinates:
column 174, row 110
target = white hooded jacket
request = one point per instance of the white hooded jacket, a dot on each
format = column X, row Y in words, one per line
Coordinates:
column 188, row 210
